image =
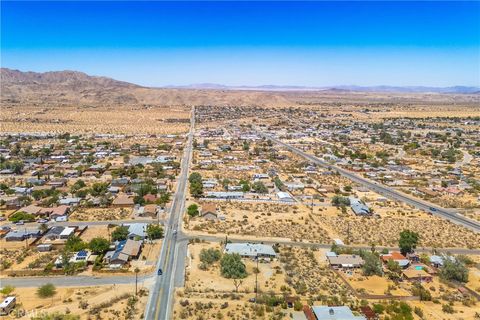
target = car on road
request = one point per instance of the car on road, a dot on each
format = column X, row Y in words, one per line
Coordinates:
column 159, row 272
column 432, row 209
column 175, row 232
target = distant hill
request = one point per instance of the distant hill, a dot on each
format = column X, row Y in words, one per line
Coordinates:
column 73, row 79
column 72, row 87
column 342, row 88
column 78, row 88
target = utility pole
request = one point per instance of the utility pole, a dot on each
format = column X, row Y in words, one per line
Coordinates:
column 256, row 282
column 136, row 281
column 311, row 205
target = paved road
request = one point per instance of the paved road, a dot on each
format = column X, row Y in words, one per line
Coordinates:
column 384, row 190
column 182, row 240
column 85, row 223
column 173, row 252
column 71, row 281
column 218, row 238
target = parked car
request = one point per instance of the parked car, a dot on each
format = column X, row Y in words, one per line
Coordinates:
column 42, row 220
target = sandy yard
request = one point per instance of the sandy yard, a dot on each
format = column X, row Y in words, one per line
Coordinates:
column 96, row 214
column 211, row 279
column 103, row 302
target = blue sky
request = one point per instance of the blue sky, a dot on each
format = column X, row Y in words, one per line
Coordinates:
column 250, row 43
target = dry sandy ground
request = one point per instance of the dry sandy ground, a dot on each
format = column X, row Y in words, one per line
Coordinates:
column 211, row 279
column 108, row 120
column 96, row 214
column 264, row 220
column 71, row 299
column 376, row 285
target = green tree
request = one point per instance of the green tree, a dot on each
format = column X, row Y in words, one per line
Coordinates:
column 46, row 291
column 21, row 216
column 259, row 187
column 408, row 241
column 339, row 201
column 99, row 189
column 154, row 231
column 454, row 270
column 192, row 210
column 99, row 245
column 163, row 199
column 120, row 233
column 75, row 244
column 232, row 266
column 372, row 264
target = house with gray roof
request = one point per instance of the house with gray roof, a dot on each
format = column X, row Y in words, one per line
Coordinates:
column 335, row 313
column 251, row 250
column 359, row 207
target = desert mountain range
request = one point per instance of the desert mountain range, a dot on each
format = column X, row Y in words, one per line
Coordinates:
column 73, row 88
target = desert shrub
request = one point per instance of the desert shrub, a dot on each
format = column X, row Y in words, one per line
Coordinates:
column 56, row 316
column 7, row 290
column 209, row 256
column 447, row 308
column 46, row 291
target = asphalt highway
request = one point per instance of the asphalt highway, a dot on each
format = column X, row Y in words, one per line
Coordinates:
column 384, row 190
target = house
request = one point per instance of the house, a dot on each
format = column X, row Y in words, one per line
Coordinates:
column 60, row 211
column 335, row 313
column 7, row 305
column 132, row 248
column 4, row 230
column 137, row 230
column 59, row 233
column 224, row 194
column 123, row 201
column 124, row 251
column 417, row 275
column 120, row 182
column 308, row 313
column 344, row 260
column 285, row 196
column 20, row 235
column 251, row 250
column 427, row 192
column 358, row 207
column 69, row 201
column 260, row 176
column 150, row 210
column 399, row 258
column 209, row 211
column 113, row 189
column 80, row 256
column 31, row 209
column 438, row 261
column 150, row 198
